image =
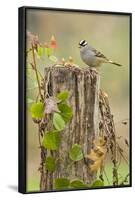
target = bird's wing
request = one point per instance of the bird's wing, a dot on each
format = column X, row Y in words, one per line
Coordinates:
column 98, row 54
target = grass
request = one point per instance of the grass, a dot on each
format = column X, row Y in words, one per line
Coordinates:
column 33, row 182
column 122, row 172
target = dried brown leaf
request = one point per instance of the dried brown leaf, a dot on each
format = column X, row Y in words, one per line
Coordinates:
column 51, row 105
column 97, row 154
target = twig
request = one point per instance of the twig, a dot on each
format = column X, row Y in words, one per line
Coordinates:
column 39, row 139
column 35, row 68
column 109, row 129
column 46, row 85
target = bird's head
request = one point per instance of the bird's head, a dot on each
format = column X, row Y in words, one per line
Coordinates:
column 83, row 43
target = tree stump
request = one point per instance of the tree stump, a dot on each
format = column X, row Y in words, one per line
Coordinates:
column 83, row 86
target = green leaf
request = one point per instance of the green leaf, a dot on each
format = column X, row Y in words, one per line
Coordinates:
column 63, row 95
column 97, row 183
column 40, row 51
column 48, row 51
column 53, row 59
column 52, row 140
column 66, row 111
column 58, row 122
column 62, row 183
column 78, row 184
column 75, row 153
column 37, row 110
column 50, row 164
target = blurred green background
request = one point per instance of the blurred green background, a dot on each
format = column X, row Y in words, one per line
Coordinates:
column 107, row 33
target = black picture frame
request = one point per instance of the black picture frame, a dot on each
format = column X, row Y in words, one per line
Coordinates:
column 22, row 148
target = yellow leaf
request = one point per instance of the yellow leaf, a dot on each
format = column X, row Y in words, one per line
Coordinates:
column 92, row 156
column 97, row 154
column 96, row 165
column 100, row 151
column 100, row 141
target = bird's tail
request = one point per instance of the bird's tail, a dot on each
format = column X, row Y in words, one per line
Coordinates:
column 114, row 63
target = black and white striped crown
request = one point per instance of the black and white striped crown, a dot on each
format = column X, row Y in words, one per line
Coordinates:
column 83, row 43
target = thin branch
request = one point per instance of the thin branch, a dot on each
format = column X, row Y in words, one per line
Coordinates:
column 35, row 68
column 39, row 138
column 109, row 129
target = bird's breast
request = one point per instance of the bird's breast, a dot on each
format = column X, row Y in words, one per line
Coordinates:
column 88, row 59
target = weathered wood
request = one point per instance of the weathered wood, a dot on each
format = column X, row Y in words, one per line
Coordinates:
column 83, row 86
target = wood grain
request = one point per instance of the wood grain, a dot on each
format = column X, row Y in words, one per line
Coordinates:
column 83, row 86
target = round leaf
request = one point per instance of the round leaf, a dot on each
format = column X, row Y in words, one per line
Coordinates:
column 62, row 183
column 58, row 122
column 75, row 153
column 48, row 51
column 63, row 95
column 40, row 51
column 37, row 110
column 52, row 140
column 97, row 183
column 50, row 164
column 78, row 184
column 66, row 111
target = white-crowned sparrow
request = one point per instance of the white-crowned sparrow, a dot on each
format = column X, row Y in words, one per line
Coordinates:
column 92, row 57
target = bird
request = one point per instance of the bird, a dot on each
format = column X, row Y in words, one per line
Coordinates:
column 92, row 57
